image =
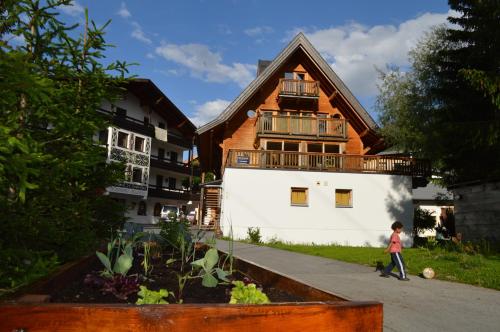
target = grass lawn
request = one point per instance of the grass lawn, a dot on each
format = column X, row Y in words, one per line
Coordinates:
column 474, row 269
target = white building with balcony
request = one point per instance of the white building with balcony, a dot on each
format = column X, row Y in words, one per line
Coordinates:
column 150, row 135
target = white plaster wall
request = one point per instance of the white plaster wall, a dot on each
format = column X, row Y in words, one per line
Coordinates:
column 261, row 198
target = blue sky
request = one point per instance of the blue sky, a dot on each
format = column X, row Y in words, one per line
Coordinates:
column 202, row 53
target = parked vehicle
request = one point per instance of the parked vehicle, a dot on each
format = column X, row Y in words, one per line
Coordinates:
column 169, row 212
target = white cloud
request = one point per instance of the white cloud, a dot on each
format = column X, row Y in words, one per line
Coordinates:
column 257, row 31
column 355, row 51
column 207, row 65
column 208, row 111
column 138, row 34
column 123, row 11
column 150, row 55
column 74, row 9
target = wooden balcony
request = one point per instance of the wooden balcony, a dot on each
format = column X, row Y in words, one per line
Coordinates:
column 168, row 193
column 301, row 127
column 327, row 162
column 298, row 88
column 147, row 129
column 173, row 166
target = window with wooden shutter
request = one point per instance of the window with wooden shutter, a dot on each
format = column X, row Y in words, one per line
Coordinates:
column 343, row 198
column 299, row 196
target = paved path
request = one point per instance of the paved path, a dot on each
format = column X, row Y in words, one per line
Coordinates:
column 417, row 305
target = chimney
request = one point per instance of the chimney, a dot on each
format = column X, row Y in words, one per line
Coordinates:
column 262, row 65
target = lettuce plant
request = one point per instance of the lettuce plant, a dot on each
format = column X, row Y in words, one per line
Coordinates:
column 247, row 294
column 147, row 296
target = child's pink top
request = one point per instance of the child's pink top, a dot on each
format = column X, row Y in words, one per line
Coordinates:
column 395, row 243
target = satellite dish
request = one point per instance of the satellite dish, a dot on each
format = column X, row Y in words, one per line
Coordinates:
column 251, row 113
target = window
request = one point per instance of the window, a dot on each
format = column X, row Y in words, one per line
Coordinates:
column 122, row 140
column 141, row 210
column 275, row 146
column 171, row 183
column 139, row 144
column 157, row 210
column 103, row 137
column 137, row 175
column 299, row 196
column 343, row 198
column 159, row 181
column 289, row 76
column 121, row 113
column 332, row 148
column 161, row 153
column 173, row 156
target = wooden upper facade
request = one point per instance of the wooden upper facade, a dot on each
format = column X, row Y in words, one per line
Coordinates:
column 295, row 105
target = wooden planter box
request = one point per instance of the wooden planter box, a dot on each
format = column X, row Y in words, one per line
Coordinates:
column 323, row 311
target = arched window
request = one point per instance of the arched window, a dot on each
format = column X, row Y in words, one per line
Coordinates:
column 141, row 210
column 157, row 210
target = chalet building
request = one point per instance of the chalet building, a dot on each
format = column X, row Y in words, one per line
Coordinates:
column 295, row 152
column 150, row 135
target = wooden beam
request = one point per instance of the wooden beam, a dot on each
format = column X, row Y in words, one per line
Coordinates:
column 333, row 95
column 364, row 133
column 159, row 100
column 181, row 124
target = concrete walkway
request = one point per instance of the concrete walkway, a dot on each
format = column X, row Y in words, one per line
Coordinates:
column 415, row 305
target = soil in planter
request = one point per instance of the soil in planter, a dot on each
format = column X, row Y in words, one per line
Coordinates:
column 75, row 291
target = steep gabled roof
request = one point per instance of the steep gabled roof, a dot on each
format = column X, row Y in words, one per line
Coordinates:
column 151, row 95
column 299, row 42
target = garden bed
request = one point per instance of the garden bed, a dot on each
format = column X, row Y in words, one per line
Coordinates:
column 65, row 302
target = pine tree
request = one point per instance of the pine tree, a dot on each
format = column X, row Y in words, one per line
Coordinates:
column 467, row 110
column 446, row 108
column 52, row 172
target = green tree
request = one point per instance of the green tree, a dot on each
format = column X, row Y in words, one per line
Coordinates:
column 446, row 107
column 52, row 172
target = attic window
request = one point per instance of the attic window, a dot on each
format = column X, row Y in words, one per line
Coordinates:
column 289, row 76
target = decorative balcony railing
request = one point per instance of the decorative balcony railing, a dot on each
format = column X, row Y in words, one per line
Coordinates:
column 328, row 162
column 301, row 126
column 298, row 88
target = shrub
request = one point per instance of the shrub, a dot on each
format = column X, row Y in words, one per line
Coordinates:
column 20, row 267
column 254, row 234
column 423, row 220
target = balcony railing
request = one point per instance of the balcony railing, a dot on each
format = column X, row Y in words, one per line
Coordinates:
column 301, row 126
column 174, row 166
column 299, row 88
column 328, row 162
column 141, row 127
column 169, row 193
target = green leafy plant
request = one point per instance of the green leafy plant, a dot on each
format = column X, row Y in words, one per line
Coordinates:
column 208, row 267
column 119, row 257
column 147, row 296
column 254, row 234
column 247, row 294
